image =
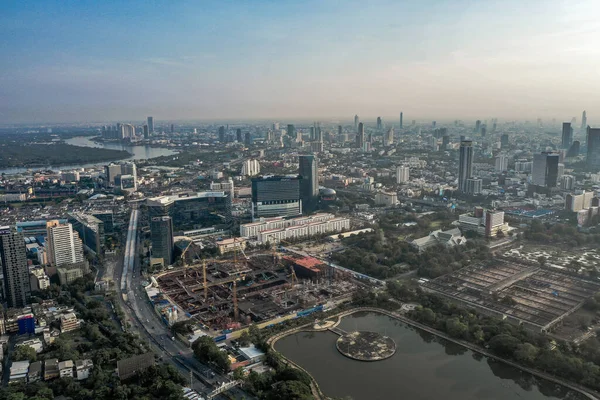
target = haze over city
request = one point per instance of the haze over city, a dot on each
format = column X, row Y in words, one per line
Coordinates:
column 444, row 60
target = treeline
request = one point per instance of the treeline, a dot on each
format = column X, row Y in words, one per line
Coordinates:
column 546, row 233
column 42, row 155
column 381, row 257
column 531, row 349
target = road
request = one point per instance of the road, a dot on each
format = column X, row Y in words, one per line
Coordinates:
column 148, row 325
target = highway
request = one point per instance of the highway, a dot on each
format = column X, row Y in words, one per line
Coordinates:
column 148, row 325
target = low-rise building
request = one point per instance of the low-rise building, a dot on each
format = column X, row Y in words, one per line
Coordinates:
column 35, row 372
column 68, row 322
column 35, row 344
column 386, row 199
column 449, row 238
column 65, row 369
column 294, row 232
column 83, row 369
column 485, row 222
column 232, row 244
column 18, row 371
column 51, row 369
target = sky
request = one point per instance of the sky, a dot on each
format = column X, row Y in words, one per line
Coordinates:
column 76, row 61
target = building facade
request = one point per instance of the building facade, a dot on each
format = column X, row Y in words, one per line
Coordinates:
column 13, row 259
column 161, row 236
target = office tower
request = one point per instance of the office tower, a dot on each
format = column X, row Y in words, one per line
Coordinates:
column 483, row 130
column 275, row 126
column 356, row 123
column 172, row 128
column 276, row 196
column 445, row 142
column 402, row 174
column 574, row 149
column 339, row 130
column 312, row 133
column 308, row 169
column 146, row 133
column 111, row 171
column 379, row 123
column 567, row 135
column 545, row 169
column 433, row 124
column 389, row 137
column 251, row 168
column 222, row 134
column 63, row 244
column 504, row 141
column 477, row 126
column 151, row 124
column 593, row 147
column 401, row 120
column 238, row 135
column 360, row 136
column 161, row 237
column 501, row 163
column 494, row 126
column 465, row 164
column 318, row 133
column 13, row 260
column 583, row 121
column 247, row 139
column 573, row 121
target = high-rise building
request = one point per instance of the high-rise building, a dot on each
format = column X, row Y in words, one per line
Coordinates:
column 356, row 123
column 483, row 130
column 63, row 244
column 308, row 169
column 465, row 164
column 276, row 196
column 477, row 126
column 445, row 143
column 574, row 149
column 545, row 169
column 389, row 137
column 146, row 132
column 13, row 260
column 360, row 136
column 593, row 147
column 583, row 120
column 161, row 237
column 402, row 174
column 247, row 139
column 222, row 134
column 379, row 124
column 504, row 141
column 238, row 135
column 473, row 185
column 567, row 135
column 172, row 128
column 401, row 119
column 251, row 168
column 313, row 134
column 150, row 124
column 339, row 130
column 501, row 163
column 291, row 132
column 567, row 182
column 127, row 131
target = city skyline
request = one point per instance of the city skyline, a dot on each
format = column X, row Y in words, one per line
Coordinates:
column 77, row 62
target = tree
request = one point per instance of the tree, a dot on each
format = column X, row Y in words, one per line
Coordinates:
column 25, row 353
column 244, row 339
column 526, row 353
column 504, row 345
column 290, row 390
column 206, row 350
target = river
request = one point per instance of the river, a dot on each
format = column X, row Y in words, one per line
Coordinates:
column 139, row 152
column 424, row 367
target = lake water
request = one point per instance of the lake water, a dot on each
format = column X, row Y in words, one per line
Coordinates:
column 424, row 367
column 143, row 152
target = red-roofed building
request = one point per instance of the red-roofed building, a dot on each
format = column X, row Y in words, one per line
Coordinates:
column 306, row 267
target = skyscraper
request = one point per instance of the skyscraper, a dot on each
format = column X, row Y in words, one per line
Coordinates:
column 247, row 139
column 593, row 147
column 308, row 168
column 583, row 120
column 401, row 119
column 13, row 260
column 222, row 134
column 567, row 135
column 151, row 124
column 402, row 174
column 339, row 130
column 356, row 122
column 146, row 133
column 238, row 135
column 276, row 196
column 172, row 128
column 161, row 236
column 504, row 141
column 63, row 244
column 389, row 137
column 312, row 132
column 379, row 125
column 545, row 169
column 465, row 164
column 477, row 126
column 360, row 136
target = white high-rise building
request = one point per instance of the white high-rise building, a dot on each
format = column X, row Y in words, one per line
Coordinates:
column 501, row 163
column 402, row 174
column 251, row 168
column 127, row 131
column 63, row 244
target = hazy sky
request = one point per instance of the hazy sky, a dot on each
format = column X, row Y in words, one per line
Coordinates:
column 434, row 59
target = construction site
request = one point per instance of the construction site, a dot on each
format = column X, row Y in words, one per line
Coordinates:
column 521, row 292
column 231, row 293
